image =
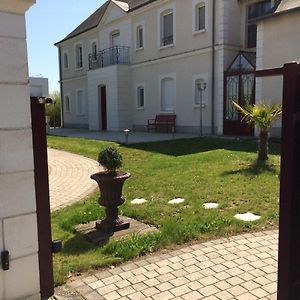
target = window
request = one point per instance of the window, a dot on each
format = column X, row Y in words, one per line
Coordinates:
column 167, row 28
column 200, row 17
column 168, row 94
column 94, row 51
column 140, row 97
column 66, row 60
column 81, row 109
column 79, row 56
column 67, row 103
column 139, row 37
column 254, row 11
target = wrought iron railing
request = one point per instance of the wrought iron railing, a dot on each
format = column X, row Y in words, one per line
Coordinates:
column 167, row 40
column 117, row 55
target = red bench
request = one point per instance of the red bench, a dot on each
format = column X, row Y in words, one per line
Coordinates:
column 164, row 120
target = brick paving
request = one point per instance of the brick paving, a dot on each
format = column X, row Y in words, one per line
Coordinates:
column 69, row 177
column 243, row 267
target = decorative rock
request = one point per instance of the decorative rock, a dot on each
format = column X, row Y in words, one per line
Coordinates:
column 248, row 217
column 138, row 201
column 210, row 205
column 176, row 201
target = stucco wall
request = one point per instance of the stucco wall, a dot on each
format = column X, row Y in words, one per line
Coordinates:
column 18, row 225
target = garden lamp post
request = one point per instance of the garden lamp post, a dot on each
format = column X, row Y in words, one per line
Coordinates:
column 201, row 86
column 126, row 133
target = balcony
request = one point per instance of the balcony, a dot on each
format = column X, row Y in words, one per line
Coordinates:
column 117, row 55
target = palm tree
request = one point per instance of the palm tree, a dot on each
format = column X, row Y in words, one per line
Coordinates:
column 261, row 115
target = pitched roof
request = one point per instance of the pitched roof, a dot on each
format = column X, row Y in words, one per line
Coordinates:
column 287, row 5
column 93, row 20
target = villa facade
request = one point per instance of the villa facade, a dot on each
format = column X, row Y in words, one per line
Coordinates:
column 134, row 59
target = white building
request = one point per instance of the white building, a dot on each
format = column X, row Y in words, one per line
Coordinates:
column 134, row 59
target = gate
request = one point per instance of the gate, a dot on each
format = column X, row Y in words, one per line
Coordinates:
column 289, row 221
column 42, row 196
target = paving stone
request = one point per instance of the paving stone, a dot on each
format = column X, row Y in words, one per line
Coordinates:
column 232, row 273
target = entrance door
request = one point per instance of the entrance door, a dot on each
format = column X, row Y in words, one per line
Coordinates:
column 239, row 86
column 102, row 106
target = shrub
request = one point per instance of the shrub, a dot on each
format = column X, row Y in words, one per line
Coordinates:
column 53, row 110
column 110, row 159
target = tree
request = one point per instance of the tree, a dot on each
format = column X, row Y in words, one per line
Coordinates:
column 53, row 109
column 262, row 116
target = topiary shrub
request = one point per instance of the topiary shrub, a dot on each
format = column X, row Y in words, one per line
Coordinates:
column 110, row 159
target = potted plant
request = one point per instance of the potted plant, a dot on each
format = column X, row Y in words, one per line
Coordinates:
column 261, row 115
column 110, row 182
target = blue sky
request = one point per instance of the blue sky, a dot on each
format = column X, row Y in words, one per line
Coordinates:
column 48, row 21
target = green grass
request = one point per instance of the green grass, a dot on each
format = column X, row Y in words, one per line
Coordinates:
column 199, row 170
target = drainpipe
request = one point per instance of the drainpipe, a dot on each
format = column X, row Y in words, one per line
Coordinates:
column 61, row 88
column 213, row 58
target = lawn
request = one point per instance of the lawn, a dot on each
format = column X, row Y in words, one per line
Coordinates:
column 198, row 170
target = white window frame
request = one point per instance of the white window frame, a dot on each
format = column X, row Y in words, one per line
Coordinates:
column 160, row 79
column 136, row 41
column 160, row 14
column 76, row 62
column 67, row 96
column 92, row 50
column 66, row 53
column 195, row 17
column 137, row 87
column 204, row 78
column 80, row 113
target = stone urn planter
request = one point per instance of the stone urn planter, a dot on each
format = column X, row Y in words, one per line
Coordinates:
column 111, row 183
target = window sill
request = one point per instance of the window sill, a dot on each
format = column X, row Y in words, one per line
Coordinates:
column 139, row 49
column 196, row 32
column 167, row 46
column 140, row 108
column 167, row 112
column 79, row 69
column 80, row 115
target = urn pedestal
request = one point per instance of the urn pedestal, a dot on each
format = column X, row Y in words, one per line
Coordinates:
column 111, row 186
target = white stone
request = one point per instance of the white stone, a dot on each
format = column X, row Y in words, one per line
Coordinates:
column 20, row 236
column 17, row 194
column 210, row 205
column 247, row 217
column 1, row 283
column 22, row 279
column 15, row 107
column 16, row 151
column 176, row 201
column 138, row 201
column 13, row 58
column 13, row 23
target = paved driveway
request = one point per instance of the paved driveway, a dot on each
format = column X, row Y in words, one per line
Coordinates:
column 69, row 177
column 243, row 267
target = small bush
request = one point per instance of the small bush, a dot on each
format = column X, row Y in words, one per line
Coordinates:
column 110, row 159
column 53, row 110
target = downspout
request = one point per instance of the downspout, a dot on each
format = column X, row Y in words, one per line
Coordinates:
column 61, row 88
column 213, row 58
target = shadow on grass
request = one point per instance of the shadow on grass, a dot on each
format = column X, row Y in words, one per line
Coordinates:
column 196, row 145
column 256, row 168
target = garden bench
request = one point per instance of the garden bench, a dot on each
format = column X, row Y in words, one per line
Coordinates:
column 163, row 120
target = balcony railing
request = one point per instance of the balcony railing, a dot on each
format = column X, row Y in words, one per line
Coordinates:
column 117, row 55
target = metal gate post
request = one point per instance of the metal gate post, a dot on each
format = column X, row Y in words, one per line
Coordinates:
column 42, row 197
column 289, row 223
